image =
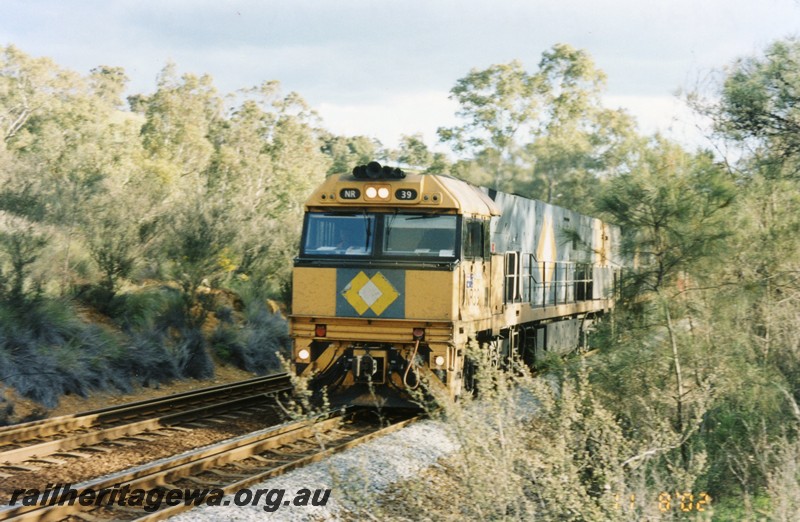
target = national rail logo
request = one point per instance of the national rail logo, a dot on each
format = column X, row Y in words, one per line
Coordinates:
column 375, row 293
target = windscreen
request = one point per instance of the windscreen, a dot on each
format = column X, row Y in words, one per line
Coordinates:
column 338, row 234
column 421, row 235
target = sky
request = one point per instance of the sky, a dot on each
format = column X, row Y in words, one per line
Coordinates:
column 385, row 68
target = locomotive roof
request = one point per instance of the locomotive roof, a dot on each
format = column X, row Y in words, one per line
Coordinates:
column 414, row 191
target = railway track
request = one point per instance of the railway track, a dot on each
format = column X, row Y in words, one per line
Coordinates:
column 64, row 434
column 229, row 465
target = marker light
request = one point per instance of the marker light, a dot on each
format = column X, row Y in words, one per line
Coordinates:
column 383, row 193
column 439, row 360
column 320, row 330
column 303, row 354
column 371, row 192
column 419, row 333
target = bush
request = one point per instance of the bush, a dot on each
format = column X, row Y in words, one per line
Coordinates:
column 149, row 362
column 6, row 411
column 192, row 357
column 255, row 346
column 545, row 448
column 47, row 352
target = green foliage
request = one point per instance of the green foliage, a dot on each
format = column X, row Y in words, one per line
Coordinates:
column 756, row 423
column 759, row 99
column 258, row 344
column 543, row 134
column 198, row 239
column 46, row 352
column 414, row 152
column 545, row 448
column 20, row 245
column 111, row 247
column 347, row 152
column 179, row 117
column 188, row 188
column 670, row 208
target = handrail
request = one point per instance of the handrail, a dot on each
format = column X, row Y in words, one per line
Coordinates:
column 548, row 283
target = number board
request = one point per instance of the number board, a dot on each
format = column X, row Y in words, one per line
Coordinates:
column 405, row 194
column 349, row 193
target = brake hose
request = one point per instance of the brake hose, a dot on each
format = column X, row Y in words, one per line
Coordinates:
column 408, row 368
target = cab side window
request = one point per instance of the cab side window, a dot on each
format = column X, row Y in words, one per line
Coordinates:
column 473, row 239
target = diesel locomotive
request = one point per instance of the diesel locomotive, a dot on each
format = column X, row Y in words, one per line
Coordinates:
column 398, row 271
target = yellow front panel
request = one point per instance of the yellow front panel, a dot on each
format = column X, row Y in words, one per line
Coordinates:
column 430, row 295
column 314, row 291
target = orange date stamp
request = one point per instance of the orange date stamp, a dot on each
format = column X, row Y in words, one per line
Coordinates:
column 678, row 501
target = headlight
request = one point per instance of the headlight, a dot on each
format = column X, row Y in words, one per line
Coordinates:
column 377, row 192
column 303, row 354
column 439, row 360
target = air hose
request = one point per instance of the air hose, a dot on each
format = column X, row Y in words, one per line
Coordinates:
column 408, row 368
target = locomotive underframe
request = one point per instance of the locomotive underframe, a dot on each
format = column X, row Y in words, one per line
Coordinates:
column 367, row 362
column 378, row 362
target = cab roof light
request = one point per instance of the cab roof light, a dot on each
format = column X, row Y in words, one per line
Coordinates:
column 373, row 170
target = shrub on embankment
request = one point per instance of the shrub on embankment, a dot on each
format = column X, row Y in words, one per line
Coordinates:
column 253, row 345
column 55, row 347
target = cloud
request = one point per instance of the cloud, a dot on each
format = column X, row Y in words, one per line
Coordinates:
column 357, row 58
column 423, row 112
column 420, row 112
column 667, row 115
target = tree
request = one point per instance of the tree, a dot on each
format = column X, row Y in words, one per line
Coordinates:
column 179, row 118
column 414, row 152
column 108, row 84
column 347, row 152
column 27, row 86
column 267, row 159
column 500, row 106
column 756, row 110
column 669, row 207
column 63, row 135
column 543, row 134
column 672, row 209
column 22, row 244
column 759, row 100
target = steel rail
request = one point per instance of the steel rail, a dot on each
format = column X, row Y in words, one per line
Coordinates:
column 91, row 419
column 43, row 449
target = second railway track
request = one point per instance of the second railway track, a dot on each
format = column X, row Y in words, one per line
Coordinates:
column 58, row 435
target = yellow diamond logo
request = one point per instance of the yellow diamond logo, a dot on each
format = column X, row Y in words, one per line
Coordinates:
column 350, row 293
column 375, row 293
